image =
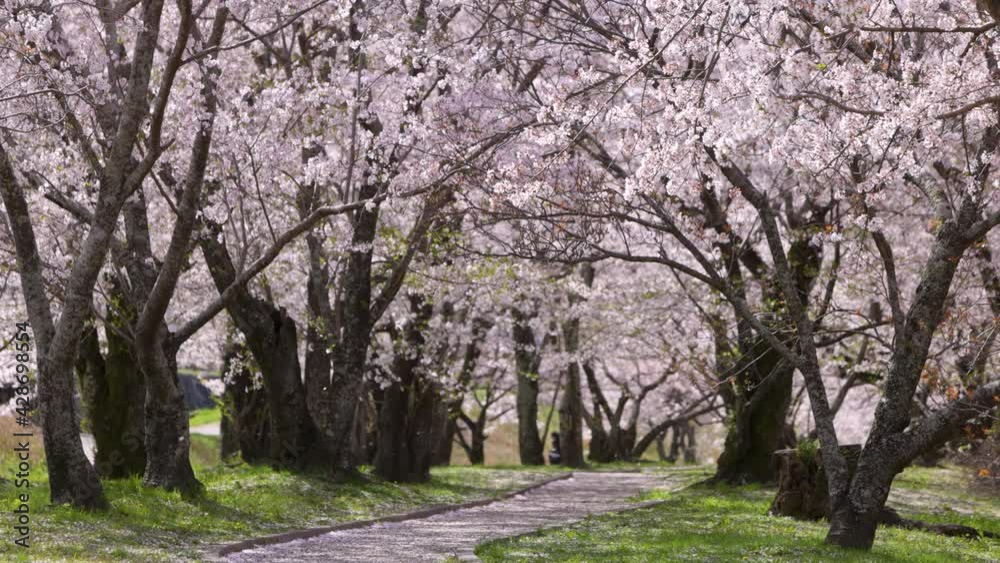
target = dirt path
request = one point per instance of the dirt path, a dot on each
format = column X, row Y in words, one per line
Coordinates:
column 457, row 533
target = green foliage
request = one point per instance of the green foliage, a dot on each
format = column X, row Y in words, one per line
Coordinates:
column 807, row 450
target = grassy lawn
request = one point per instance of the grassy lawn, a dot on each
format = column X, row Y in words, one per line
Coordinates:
column 205, row 416
column 239, row 502
column 723, row 524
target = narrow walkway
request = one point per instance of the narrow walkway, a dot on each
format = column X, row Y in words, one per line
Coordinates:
column 457, row 533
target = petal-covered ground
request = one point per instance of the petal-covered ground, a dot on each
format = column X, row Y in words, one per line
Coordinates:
column 456, row 534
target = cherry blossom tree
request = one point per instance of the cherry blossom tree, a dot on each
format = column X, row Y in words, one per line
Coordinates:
column 808, row 126
column 52, row 68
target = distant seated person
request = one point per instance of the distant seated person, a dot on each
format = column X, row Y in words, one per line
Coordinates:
column 555, row 458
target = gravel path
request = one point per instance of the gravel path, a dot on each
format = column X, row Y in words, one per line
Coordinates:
column 210, row 429
column 457, row 533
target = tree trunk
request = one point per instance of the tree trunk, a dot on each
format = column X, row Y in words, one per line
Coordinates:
column 887, row 450
column 113, row 391
column 477, row 451
column 168, row 439
column 529, row 442
column 600, row 449
column 676, row 443
column 571, row 403
column 294, row 439
column 246, row 417
column 661, row 450
column 364, row 437
column 318, row 358
column 72, row 478
column 443, row 430
column 406, row 438
column 272, row 339
column 802, row 483
column 351, row 354
column 229, row 444
column 690, row 448
column 757, row 420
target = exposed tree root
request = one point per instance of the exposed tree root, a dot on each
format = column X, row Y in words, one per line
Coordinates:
column 890, row 517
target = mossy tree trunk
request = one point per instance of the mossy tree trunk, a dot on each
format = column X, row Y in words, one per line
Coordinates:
column 112, row 389
column 757, row 419
column 245, row 414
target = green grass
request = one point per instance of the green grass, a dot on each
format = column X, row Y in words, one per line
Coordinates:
column 205, row 416
column 723, row 524
column 941, row 495
column 240, row 502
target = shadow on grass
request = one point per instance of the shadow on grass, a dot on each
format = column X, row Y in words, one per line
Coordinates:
column 721, row 523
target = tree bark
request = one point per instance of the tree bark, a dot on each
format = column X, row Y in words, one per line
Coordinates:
column 167, row 441
column 757, row 419
column 571, row 419
column 112, row 390
column 600, row 450
column 72, row 478
column 529, row 442
column 271, row 337
column 246, row 417
column 406, row 438
column 802, row 483
column 318, row 358
column 571, row 402
column 855, row 519
column 351, row 355
column 763, row 383
column 443, row 429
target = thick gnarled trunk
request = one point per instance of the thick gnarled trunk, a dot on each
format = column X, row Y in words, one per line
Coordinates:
column 272, row 339
column 72, row 478
column 168, row 440
column 246, row 417
column 757, row 423
column 294, row 438
column 113, row 391
column 351, row 355
column 406, row 438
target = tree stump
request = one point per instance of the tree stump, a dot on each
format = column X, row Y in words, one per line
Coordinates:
column 802, row 489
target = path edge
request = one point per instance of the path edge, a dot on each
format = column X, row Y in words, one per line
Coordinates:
column 638, row 506
column 217, row 552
